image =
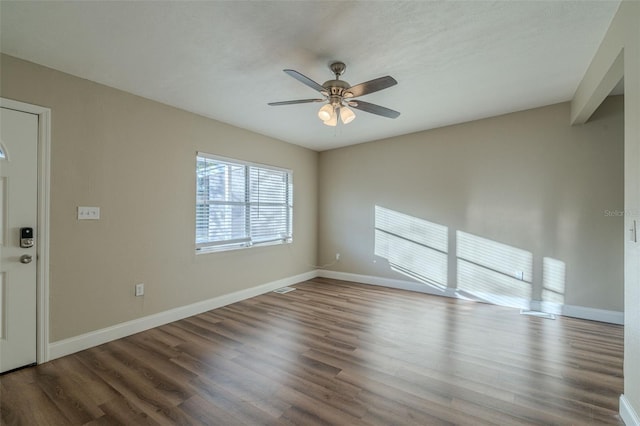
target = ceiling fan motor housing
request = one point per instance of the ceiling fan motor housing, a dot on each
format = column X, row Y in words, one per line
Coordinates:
column 336, row 90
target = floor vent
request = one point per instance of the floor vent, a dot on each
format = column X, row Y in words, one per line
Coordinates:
column 284, row 290
column 537, row 314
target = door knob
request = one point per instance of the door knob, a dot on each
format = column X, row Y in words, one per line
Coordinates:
column 25, row 258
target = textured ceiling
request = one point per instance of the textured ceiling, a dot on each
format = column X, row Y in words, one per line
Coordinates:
column 454, row 61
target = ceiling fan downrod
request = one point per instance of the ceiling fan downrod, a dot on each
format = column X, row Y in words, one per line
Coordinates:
column 338, row 68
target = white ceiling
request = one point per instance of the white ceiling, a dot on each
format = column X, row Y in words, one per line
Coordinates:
column 454, row 61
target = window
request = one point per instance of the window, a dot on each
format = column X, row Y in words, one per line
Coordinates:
column 240, row 204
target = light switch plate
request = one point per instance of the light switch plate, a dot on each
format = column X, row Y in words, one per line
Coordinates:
column 88, row 213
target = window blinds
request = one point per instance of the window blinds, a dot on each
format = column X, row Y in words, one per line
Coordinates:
column 241, row 204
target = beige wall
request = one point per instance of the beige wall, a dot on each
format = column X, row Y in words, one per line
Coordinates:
column 621, row 45
column 623, row 40
column 528, row 184
column 135, row 159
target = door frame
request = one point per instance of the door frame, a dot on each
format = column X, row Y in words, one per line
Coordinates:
column 42, row 235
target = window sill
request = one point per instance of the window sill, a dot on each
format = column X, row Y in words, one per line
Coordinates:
column 221, row 249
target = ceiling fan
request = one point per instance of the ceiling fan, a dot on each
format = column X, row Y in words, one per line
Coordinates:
column 339, row 96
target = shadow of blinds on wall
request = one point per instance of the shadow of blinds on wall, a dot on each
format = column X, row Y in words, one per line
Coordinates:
column 413, row 247
column 493, row 272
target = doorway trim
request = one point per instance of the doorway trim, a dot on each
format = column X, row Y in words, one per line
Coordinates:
column 44, row 194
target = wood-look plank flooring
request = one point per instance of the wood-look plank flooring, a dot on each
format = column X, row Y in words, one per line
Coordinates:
column 337, row 353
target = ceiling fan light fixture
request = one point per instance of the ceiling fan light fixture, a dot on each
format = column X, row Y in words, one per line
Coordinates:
column 333, row 121
column 347, row 115
column 326, row 112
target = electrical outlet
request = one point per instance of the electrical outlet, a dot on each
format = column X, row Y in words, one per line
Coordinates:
column 139, row 291
column 338, row 256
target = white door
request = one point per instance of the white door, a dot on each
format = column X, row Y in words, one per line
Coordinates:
column 18, row 209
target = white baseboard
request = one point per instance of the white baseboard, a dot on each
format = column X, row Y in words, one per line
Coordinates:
column 84, row 341
column 386, row 282
column 582, row 312
column 593, row 314
column 629, row 416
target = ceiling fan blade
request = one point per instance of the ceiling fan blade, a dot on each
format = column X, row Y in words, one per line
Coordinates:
column 372, row 86
column 374, row 109
column 298, row 101
column 305, row 80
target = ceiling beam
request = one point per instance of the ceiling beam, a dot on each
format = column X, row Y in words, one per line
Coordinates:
column 595, row 87
column 604, row 73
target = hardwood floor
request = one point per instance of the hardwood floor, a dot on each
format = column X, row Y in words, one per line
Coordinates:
column 334, row 352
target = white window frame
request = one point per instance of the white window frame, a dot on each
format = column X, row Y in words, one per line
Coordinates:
column 240, row 243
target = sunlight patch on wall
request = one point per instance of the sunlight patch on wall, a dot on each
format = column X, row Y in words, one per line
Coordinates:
column 479, row 283
column 487, row 270
column 553, row 280
column 414, row 247
column 493, row 272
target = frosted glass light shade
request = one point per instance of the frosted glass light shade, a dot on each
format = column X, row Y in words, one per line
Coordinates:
column 347, row 115
column 325, row 112
column 333, row 121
